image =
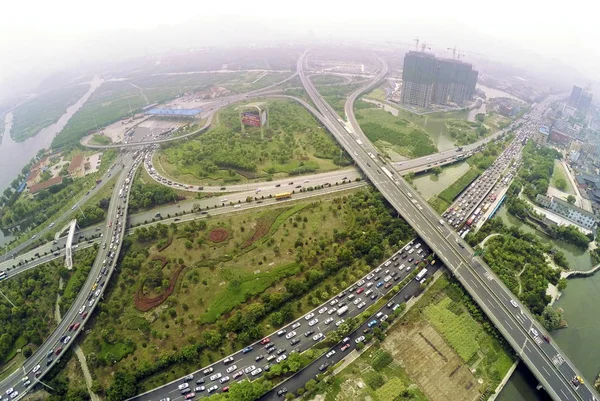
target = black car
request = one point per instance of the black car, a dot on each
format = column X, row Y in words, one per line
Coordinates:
column 294, row 341
column 410, row 259
column 309, row 333
column 341, row 304
column 271, row 350
column 280, row 351
column 323, row 366
column 373, row 297
column 200, row 381
column 258, row 358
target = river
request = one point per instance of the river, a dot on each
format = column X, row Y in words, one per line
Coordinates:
column 491, row 92
column 15, row 155
column 579, row 340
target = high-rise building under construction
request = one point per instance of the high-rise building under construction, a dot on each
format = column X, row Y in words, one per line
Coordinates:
column 427, row 79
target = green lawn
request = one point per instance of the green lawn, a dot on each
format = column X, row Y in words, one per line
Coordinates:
column 320, row 80
column 41, row 111
column 560, row 180
column 449, row 194
column 389, row 132
column 293, row 144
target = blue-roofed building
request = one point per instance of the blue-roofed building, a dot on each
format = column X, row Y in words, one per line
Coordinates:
column 175, row 113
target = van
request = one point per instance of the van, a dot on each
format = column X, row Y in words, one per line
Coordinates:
column 368, row 293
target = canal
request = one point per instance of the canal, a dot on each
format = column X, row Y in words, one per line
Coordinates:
column 578, row 340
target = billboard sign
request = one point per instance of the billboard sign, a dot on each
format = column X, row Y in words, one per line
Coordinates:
column 251, row 118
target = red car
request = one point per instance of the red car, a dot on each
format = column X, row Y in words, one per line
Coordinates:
column 84, row 315
column 71, row 327
column 360, row 290
column 76, row 326
column 387, row 285
column 265, row 340
column 345, row 347
column 225, row 389
column 58, row 350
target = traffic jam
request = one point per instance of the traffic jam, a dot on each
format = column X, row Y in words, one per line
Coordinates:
column 251, row 362
column 116, row 227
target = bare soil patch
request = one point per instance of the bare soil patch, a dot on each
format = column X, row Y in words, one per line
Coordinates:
column 218, row 235
column 431, row 362
column 144, row 304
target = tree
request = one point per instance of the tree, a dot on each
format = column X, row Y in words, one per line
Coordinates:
column 551, row 318
column 571, row 199
column 560, row 183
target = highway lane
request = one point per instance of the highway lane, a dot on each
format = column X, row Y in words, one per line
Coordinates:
column 304, row 332
column 297, row 381
column 418, row 213
column 46, row 356
column 144, row 219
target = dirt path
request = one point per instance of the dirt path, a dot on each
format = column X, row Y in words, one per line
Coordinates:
column 78, row 351
column 487, row 238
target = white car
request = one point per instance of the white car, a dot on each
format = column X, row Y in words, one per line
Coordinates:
column 360, row 339
column 339, row 322
column 231, row 368
column 36, row 368
column 291, row 334
column 91, row 303
column 323, row 310
column 213, row 388
column 295, row 325
column 183, row 386
column 361, row 305
column 82, row 309
column 249, row 369
column 313, row 322
column 279, row 359
column 318, row 336
column 224, row 379
column 309, row 316
column 259, row 370
column 333, row 302
column 533, row 332
column 67, row 339
column 357, row 301
column 215, row 376
column 513, row 303
column 237, row 206
column 330, row 354
column 328, row 320
column 10, row 390
column 331, row 311
column 14, row 394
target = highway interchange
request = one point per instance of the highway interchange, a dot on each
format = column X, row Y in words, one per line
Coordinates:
column 544, row 359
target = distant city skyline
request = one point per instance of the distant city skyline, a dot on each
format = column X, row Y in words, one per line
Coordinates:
column 68, row 34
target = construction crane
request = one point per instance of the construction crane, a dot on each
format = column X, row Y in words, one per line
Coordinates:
column 458, row 53
column 416, row 44
column 424, row 46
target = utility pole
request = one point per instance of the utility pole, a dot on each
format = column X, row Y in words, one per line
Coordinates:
column 14, row 306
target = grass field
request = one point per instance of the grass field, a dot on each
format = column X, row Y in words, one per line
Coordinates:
column 41, row 111
column 361, row 381
column 560, row 175
column 336, row 96
column 319, row 80
column 389, row 132
column 264, row 256
column 293, row 144
column 441, row 340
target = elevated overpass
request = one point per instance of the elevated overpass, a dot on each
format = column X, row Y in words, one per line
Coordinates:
column 545, row 360
column 69, row 245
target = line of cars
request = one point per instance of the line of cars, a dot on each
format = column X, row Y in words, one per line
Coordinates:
column 87, row 303
column 257, row 358
column 464, row 210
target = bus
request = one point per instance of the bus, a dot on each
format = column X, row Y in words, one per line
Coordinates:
column 347, row 130
column 464, row 234
column 387, row 172
column 421, row 274
column 283, row 195
column 3, row 275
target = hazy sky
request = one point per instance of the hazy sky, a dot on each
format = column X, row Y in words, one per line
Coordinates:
column 45, row 35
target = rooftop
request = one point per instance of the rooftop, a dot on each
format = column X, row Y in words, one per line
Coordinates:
column 45, row 184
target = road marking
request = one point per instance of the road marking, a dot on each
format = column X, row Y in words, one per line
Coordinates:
column 472, row 282
column 508, row 324
column 544, row 368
